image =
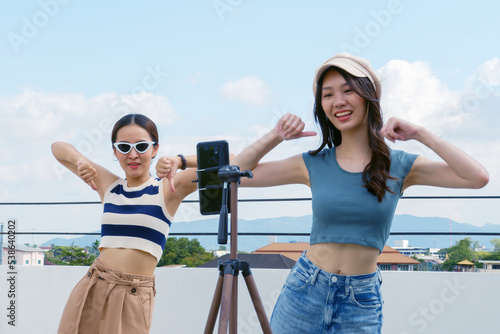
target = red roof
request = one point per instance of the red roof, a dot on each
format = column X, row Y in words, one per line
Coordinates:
column 293, row 250
column 391, row 256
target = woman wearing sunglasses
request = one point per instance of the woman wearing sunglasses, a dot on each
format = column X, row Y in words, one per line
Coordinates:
column 117, row 293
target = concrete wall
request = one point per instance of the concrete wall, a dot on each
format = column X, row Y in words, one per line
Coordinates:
column 415, row 302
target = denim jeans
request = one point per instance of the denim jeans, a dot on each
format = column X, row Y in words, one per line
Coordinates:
column 315, row 301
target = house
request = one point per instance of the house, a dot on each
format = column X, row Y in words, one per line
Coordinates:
column 25, row 256
column 465, row 266
column 219, row 253
column 431, row 262
column 404, row 248
column 391, row 259
column 292, row 250
column 491, row 266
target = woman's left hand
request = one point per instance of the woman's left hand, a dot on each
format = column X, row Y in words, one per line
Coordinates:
column 458, row 170
column 166, row 167
column 398, row 129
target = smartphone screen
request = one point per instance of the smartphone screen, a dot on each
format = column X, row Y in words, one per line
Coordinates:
column 211, row 156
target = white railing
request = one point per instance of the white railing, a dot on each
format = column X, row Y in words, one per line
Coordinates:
column 415, row 302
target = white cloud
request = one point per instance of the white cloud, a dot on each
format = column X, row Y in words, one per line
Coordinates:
column 468, row 118
column 250, row 90
column 195, row 78
column 31, row 121
column 480, row 99
column 488, row 74
column 411, row 91
column 37, row 114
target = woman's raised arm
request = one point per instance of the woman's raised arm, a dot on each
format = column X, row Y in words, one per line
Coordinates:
column 291, row 170
column 458, row 170
column 96, row 176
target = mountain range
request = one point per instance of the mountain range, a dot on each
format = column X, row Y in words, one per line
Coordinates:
column 401, row 223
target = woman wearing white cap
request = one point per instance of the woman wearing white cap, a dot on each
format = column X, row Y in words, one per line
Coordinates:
column 356, row 181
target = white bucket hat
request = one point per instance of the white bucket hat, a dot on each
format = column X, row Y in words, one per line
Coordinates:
column 357, row 66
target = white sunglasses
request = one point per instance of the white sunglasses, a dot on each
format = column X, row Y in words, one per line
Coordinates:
column 140, row 147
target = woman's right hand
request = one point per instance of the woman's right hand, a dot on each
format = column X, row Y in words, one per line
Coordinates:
column 274, row 173
column 87, row 172
column 291, row 127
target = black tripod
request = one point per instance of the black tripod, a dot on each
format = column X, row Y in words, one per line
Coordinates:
column 226, row 292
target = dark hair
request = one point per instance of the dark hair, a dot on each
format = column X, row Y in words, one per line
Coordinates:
column 143, row 121
column 376, row 172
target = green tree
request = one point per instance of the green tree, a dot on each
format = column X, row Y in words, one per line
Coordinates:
column 184, row 251
column 422, row 266
column 70, row 256
column 463, row 250
column 495, row 256
column 442, row 253
column 93, row 249
column 496, row 244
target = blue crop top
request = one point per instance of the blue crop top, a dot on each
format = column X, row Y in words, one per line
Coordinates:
column 343, row 210
column 135, row 217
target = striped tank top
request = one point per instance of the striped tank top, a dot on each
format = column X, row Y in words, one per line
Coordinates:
column 135, row 217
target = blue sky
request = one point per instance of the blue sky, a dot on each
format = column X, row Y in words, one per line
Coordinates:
column 228, row 69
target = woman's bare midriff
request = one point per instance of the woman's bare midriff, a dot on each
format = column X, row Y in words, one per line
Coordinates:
column 131, row 261
column 344, row 259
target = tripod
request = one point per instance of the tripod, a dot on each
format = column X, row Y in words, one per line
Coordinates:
column 226, row 291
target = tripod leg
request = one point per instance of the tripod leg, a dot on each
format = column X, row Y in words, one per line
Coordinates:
column 257, row 303
column 226, row 303
column 214, row 309
column 233, row 315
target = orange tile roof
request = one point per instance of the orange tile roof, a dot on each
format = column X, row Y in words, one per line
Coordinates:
column 293, row 250
column 392, row 256
column 284, row 246
column 388, row 249
column 292, row 255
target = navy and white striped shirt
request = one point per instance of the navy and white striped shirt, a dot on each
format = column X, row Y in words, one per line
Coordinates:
column 135, row 217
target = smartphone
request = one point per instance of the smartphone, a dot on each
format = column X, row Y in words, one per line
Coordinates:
column 212, row 155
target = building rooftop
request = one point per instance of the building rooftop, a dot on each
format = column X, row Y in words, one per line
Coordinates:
column 414, row 302
column 24, row 248
column 293, row 250
column 392, row 256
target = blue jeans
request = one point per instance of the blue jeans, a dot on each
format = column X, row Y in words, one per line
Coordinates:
column 315, row 301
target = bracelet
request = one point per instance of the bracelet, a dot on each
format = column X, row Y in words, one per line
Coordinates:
column 183, row 160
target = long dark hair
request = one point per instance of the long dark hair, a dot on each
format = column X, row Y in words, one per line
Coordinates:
column 376, row 172
column 143, row 121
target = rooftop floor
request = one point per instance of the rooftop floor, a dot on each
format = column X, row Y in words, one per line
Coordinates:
column 415, row 302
